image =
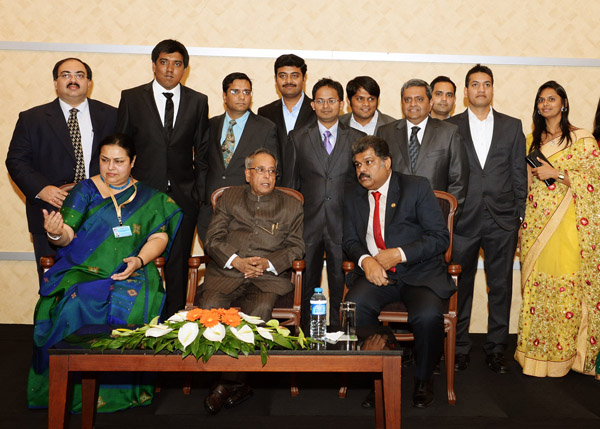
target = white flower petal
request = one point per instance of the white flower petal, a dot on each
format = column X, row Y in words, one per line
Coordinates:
column 265, row 333
column 244, row 334
column 178, row 317
column 187, row 334
column 216, row 333
column 158, row 331
column 255, row 320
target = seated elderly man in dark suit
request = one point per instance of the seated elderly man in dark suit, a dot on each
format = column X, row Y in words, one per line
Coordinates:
column 254, row 236
column 395, row 232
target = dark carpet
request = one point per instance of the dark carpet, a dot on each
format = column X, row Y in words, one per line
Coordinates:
column 484, row 399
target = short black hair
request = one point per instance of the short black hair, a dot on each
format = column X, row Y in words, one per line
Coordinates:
column 233, row 76
column 379, row 145
column 365, row 82
column 330, row 83
column 88, row 70
column 442, row 79
column 169, row 46
column 290, row 60
column 478, row 68
column 250, row 158
column 122, row 140
column 416, row 82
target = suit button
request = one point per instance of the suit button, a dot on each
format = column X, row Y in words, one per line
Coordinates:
column 223, row 177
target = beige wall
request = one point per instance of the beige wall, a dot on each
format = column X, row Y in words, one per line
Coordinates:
column 464, row 29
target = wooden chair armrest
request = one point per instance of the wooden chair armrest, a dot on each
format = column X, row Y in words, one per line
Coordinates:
column 194, row 263
column 454, row 269
column 347, row 266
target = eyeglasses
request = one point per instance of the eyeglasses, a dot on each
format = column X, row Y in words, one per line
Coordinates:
column 69, row 75
column 263, row 170
column 246, row 92
column 331, row 101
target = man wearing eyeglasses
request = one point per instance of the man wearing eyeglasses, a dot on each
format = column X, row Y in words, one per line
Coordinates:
column 169, row 125
column 320, row 167
column 253, row 238
column 363, row 97
column 57, row 143
column 233, row 136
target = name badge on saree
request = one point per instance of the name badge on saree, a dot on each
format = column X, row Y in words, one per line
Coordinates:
column 122, row 231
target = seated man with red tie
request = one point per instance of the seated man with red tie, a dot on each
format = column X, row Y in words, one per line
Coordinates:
column 395, row 232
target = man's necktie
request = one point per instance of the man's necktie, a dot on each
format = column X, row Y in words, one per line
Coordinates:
column 169, row 112
column 229, row 143
column 75, row 134
column 377, row 223
column 327, row 142
column 413, row 147
column 377, row 226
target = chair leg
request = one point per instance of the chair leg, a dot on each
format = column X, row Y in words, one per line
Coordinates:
column 187, row 383
column 294, row 385
column 344, row 385
column 450, row 351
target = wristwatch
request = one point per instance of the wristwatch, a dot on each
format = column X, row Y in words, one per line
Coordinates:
column 561, row 177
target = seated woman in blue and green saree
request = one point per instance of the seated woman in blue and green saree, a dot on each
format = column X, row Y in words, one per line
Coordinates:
column 111, row 228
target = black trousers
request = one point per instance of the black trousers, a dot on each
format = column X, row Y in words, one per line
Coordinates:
column 176, row 269
column 312, row 277
column 425, row 316
column 42, row 247
column 499, row 248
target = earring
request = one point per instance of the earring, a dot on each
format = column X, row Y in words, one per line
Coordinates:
column 538, row 112
column 563, row 109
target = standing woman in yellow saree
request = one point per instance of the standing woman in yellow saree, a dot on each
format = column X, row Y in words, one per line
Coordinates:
column 559, row 324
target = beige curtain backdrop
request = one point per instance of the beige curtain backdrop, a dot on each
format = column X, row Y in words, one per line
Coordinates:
column 484, row 30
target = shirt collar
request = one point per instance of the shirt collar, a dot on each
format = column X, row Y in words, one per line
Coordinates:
column 421, row 124
column 333, row 130
column 158, row 89
column 83, row 107
column 241, row 121
column 373, row 122
column 473, row 116
column 383, row 189
column 296, row 107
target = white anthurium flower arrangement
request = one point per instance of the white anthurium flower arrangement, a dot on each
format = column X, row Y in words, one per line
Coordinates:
column 203, row 333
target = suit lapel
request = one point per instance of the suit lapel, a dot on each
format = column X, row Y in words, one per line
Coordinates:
column 247, row 134
column 496, row 133
column 465, row 131
column 151, row 104
column 392, row 202
column 428, row 138
column 304, row 114
column 362, row 207
column 58, row 125
column 402, row 142
column 317, row 144
column 97, row 125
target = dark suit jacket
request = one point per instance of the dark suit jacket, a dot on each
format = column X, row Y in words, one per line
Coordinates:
column 274, row 112
column 258, row 132
column 382, row 120
column 237, row 227
column 500, row 187
column 41, row 152
column 413, row 221
column 442, row 158
column 179, row 159
column 321, row 178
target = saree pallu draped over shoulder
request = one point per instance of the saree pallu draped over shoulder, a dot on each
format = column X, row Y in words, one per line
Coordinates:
column 78, row 290
column 559, row 323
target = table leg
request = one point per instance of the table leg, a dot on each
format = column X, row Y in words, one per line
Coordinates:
column 89, row 400
column 58, row 383
column 392, row 375
column 379, row 405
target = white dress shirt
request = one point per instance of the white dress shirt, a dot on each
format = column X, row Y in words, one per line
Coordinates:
column 290, row 118
column 85, row 129
column 481, row 133
column 370, row 238
column 161, row 100
column 333, row 130
column 421, row 131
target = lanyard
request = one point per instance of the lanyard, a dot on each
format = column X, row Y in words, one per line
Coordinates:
column 119, row 206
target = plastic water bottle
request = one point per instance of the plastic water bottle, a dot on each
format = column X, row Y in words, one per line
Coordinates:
column 318, row 316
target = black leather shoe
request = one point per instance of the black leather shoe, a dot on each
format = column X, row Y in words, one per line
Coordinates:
column 228, row 394
column 423, row 396
column 461, row 361
column 497, row 363
column 369, row 401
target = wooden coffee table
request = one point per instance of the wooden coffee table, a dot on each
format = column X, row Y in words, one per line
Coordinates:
column 386, row 364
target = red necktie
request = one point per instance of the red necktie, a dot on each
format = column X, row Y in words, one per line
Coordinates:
column 377, row 223
column 377, row 226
